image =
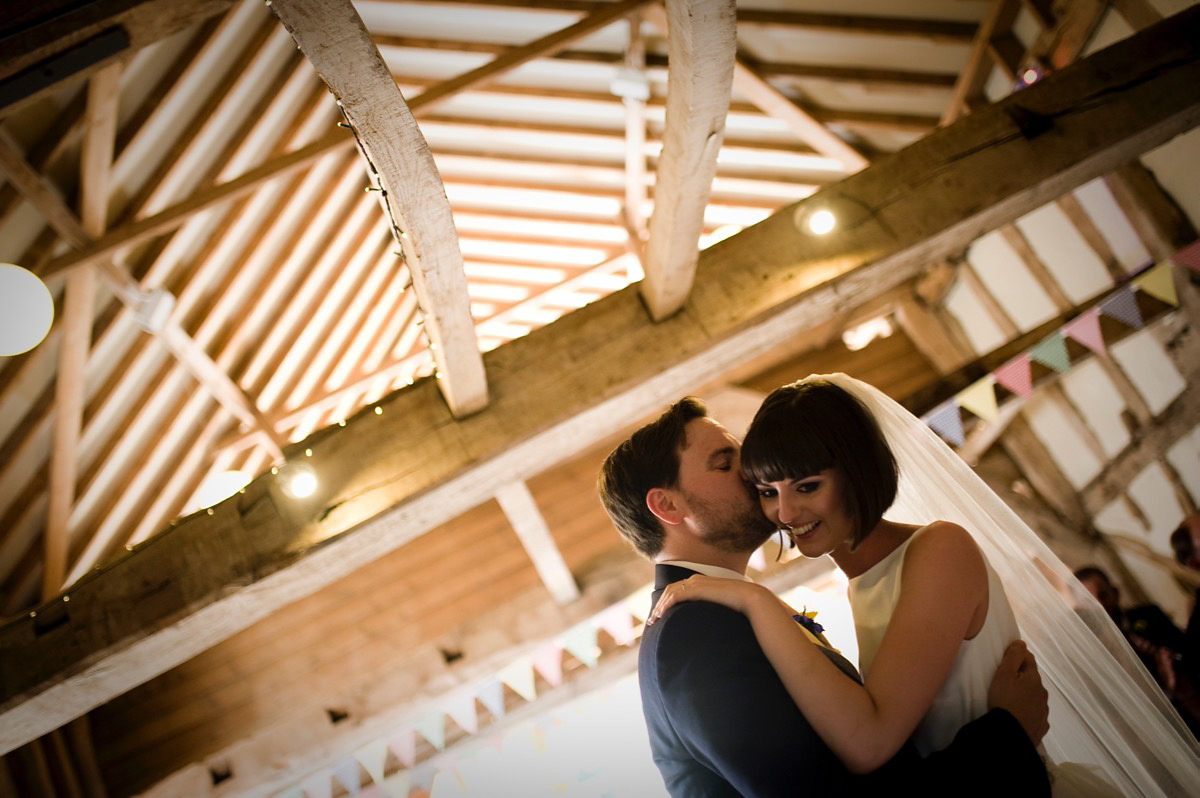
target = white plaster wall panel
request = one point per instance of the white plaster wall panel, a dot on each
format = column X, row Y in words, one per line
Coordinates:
column 1094, row 395
column 1067, row 448
column 1151, row 490
column 1007, row 279
column 1118, row 519
column 1058, row 244
column 1176, row 166
column 1184, row 457
column 982, row 333
column 1113, row 224
column 1146, row 363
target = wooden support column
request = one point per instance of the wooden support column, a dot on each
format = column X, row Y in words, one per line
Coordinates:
column 702, row 43
column 522, row 511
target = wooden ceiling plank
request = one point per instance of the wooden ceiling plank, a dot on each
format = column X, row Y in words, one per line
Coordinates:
column 930, row 29
column 602, row 16
column 334, row 39
column 149, row 194
column 142, row 22
column 657, row 61
column 522, row 512
column 774, row 103
column 702, row 39
column 615, row 368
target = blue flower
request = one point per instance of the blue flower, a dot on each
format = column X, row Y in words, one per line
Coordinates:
column 809, row 621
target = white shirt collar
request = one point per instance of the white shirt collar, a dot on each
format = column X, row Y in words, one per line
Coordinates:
column 708, row 570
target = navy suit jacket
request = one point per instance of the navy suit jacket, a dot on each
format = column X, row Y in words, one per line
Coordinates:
column 721, row 723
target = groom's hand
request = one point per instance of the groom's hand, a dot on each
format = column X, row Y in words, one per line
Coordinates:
column 1017, row 688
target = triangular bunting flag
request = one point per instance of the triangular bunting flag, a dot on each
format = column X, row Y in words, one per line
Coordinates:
column 398, row 784
column 347, row 775
column 580, row 640
column 1122, row 306
column 1052, row 352
column 318, row 785
column 491, row 695
column 404, row 745
column 980, row 398
column 1188, row 257
column 372, row 757
column 1014, row 376
column 548, row 662
column 433, row 728
column 616, row 623
column 461, row 708
column 945, row 421
column 519, row 676
column 1159, row 283
column 1085, row 328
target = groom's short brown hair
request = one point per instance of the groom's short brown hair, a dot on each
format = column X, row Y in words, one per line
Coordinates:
column 647, row 459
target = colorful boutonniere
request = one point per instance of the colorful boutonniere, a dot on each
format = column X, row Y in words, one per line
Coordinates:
column 808, row 619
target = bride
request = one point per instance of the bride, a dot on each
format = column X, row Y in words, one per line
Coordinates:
column 936, row 602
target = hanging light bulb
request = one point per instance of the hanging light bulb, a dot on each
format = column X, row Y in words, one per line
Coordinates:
column 26, row 310
column 821, row 221
column 297, row 480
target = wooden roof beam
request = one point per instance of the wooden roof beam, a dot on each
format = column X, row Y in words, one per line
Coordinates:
column 335, row 40
column 702, row 40
column 388, row 478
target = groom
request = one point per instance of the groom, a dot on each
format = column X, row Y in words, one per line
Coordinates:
column 720, row 721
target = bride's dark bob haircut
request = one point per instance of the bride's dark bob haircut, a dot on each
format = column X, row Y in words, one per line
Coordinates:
column 806, row 427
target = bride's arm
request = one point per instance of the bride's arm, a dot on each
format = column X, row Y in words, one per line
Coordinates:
column 943, row 585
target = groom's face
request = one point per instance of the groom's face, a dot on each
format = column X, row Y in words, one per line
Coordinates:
column 722, row 508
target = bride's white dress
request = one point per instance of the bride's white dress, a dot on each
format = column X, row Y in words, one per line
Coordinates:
column 963, row 697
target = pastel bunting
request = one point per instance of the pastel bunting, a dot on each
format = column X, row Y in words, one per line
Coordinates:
column 1158, row 282
column 1015, row 376
column 946, row 421
column 1188, row 257
column 1052, row 353
column 1085, row 329
column 1122, row 306
column 980, row 398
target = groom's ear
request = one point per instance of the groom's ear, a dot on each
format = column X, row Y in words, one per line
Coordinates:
column 665, row 505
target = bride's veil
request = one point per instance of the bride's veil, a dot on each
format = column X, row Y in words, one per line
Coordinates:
column 1105, row 709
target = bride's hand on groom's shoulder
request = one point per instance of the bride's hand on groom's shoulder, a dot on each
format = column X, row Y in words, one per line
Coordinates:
column 732, row 593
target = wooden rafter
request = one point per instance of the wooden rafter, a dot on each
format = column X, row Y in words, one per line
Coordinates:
column 522, row 512
column 614, row 366
column 774, row 103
